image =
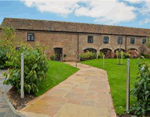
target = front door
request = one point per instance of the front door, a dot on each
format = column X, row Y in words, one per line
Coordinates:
column 58, row 54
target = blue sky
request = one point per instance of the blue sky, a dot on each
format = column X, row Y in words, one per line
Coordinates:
column 130, row 13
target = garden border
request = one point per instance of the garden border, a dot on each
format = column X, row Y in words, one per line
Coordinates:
column 11, row 106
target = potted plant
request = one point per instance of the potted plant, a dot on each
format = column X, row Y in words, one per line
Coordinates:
column 64, row 58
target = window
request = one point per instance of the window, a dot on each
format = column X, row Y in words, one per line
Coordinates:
column 30, row 37
column 132, row 40
column 120, row 40
column 90, row 39
column 144, row 41
column 106, row 40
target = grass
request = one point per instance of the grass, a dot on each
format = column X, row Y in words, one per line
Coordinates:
column 117, row 79
column 57, row 73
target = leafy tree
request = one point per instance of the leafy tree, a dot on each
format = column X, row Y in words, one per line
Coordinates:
column 35, row 62
column 3, row 57
column 7, row 39
column 142, row 89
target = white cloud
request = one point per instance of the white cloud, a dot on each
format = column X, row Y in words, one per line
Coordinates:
column 145, row 21
column 145, row 9
column 134, row 1
column 106, row 11
column 111, row 11
column 63, row 7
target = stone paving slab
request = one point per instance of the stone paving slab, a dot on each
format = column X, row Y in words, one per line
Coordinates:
column 5, row 109
column 84, row 94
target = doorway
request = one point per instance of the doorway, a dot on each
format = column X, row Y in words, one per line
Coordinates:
column 107, row 52
column 58, row 54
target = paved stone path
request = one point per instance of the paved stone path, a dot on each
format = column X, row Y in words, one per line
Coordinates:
column 5, row 109
column 84, row 94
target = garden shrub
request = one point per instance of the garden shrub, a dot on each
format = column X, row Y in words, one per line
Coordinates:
column 126, row 55
column 147, row 55
column 81, row 57
column 142, row 90
column 88, row 55
column 35, row 62
column 35, row 68
column 65, row 55
column 3, row 57
column 116, row 54
column 5, row 40
column 52, row 57
column 100, row 55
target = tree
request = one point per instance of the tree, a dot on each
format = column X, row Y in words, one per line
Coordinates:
column 35, row 62
column 7, row 41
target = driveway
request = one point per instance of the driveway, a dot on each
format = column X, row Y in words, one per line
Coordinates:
column 84, row 94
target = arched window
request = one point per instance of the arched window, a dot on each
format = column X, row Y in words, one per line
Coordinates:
column 119, row 40
column 132, row 40
column 144, row 41
column 106, row 40
column 90, row 39
column 90, row 50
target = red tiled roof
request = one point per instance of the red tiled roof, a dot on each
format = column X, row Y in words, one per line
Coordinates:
column 29, row 24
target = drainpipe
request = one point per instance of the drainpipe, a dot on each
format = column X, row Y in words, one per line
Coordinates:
column 78, row 58
column 125, row 43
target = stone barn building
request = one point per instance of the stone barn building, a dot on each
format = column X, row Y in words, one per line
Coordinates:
column 72, row 39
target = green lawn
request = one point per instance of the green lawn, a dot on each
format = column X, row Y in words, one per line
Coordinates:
column 117, row 79
column 57, row 73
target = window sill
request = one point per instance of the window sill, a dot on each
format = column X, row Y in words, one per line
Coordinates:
column 30, row 41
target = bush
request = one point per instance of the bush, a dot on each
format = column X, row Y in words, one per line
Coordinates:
column 3, row 57
column 35, row 68
column 65, row 55
column 147, row 55
column 142, row 90
column 100, row 55
column 88, row 55
column 52, row 57
column 8, row 38
column 126, row 55
column 81, row 57
column 142, row 54
column 35, row 62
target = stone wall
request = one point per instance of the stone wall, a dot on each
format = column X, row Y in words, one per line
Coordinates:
column 68, row 42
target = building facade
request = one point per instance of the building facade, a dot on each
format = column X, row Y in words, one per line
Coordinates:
column 73, row 39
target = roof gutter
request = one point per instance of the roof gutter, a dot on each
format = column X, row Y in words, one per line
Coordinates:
column 80, row 32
